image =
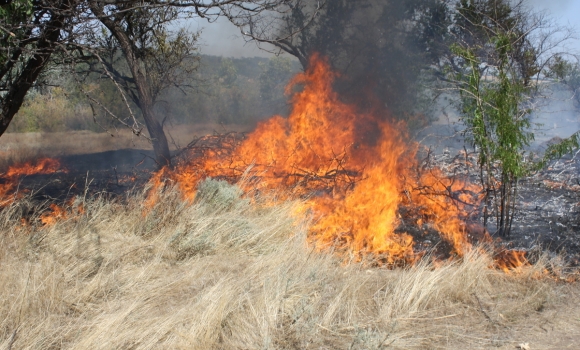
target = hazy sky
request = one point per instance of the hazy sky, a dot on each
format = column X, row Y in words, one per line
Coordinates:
column 565, row 12
column 222, row 38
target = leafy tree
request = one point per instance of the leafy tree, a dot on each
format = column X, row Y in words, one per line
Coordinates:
column 30, row 32
column 155, row 59
column 275, row 74
column 499, row 53
column 494, row 110
column 228, row 73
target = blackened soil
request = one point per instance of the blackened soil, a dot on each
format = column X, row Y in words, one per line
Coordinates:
column 110, row 173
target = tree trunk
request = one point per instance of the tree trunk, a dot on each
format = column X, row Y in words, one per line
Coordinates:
column 158, row 138
column 14, row 97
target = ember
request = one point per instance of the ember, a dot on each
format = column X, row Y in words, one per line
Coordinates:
column 356, row 170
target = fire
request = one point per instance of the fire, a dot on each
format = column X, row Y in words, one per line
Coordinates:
column 509, row 260
column 15, row 172
column 70, row 209
column 41, row 166
column 56, row 213
column 355, row 168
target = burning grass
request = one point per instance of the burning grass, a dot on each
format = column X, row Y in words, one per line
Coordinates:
column 10, row 179
column 224, row 272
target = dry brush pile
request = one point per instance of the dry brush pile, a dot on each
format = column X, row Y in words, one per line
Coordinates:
column 226, row 272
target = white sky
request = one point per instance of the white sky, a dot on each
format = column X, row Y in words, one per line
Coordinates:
column 222, row 38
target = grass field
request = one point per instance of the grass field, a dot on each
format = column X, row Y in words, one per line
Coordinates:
column 20, row 147
column 229, row 273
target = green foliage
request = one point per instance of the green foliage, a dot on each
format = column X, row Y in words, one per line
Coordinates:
column 478, row 22
column 567, row 73
column 50, row 112
column 212, row 99
column 493, row 110
column 228, row 72
column 217, row 99
column 12, row 14
column 219, row 196
column 275, row 75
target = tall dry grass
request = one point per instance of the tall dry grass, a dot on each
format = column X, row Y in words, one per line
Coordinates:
column 230, row 273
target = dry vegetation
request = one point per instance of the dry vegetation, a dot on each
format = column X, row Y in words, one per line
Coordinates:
column 230, row 273
column 21, row 147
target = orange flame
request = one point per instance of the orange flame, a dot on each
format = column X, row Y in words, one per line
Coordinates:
column 42, row 166
column 509, row 260
column 14, row 172
column 56, row 213
column 355, row 169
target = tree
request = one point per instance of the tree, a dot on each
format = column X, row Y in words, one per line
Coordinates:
column 493, row 110
column 30, row 32
column 500, row 51
column 155, row 59
column 33, row 31
column 275, row 74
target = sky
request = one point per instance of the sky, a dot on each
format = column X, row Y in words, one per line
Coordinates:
column 564, row 12
column 224, row 39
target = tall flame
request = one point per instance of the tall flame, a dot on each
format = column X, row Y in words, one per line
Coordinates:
column 354, row 167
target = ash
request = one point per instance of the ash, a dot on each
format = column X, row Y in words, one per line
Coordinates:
column 547, row 217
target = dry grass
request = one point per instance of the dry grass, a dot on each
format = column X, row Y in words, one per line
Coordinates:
column 19, row 147
column 227, row 273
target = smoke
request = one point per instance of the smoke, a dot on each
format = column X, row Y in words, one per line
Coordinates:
column 565, row 12
column 375, row 47
column 222, row 38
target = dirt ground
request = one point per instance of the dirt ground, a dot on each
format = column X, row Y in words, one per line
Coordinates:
column 556, row 327
column 18, row 147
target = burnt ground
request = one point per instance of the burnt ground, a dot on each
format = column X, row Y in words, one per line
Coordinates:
column 547, row 219
column 110, row 173
column 548, row 216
